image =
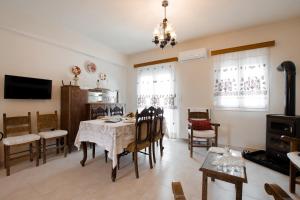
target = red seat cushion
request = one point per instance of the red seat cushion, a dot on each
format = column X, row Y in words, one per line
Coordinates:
column 201, row 124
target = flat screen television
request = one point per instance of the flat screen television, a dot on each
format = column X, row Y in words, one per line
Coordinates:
column 17, row 87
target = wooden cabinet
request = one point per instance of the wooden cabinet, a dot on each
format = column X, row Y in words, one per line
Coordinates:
column 73, row 110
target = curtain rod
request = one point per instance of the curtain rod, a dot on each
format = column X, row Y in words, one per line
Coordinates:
column 173, row 59
column 243, row 48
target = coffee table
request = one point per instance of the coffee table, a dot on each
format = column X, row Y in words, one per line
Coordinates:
column 237, row 177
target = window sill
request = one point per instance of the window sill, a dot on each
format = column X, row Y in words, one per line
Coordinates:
column 241, row 109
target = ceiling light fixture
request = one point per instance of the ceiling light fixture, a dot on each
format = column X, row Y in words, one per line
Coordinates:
column 164, row 32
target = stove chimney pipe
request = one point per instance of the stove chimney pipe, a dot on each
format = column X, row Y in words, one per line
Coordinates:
column 289, row 69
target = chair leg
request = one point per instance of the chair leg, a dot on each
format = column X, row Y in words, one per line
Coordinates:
column 40, row 149
column 161, row 147
column 94, row 150
column 65, row 146
column 57, row 145
column 136, row 164
column 292, row 178
column 44, row 150
column 6, row 159
column 118, row 160
column 30, row 152
column 207, row 144
column 191, row 147
column 132, row 156
column 37, row 150
column 150, row 157
column 106, row 152
column 189, row 143
column 153, row 151
column 216, row 141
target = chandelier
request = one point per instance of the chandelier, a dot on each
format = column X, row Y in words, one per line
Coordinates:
column 164, row 33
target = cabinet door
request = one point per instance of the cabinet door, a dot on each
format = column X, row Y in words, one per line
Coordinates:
column 65, row 108
column 78, row 111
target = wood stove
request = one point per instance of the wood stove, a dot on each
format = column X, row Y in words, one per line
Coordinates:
column 278, row 125
column 275, row 156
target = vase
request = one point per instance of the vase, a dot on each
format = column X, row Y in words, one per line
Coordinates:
column 98, row 84
column 76, row 79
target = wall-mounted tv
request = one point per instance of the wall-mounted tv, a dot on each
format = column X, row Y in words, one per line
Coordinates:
column 17, row 87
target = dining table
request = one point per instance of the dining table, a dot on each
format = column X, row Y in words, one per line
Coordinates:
column 112, row 136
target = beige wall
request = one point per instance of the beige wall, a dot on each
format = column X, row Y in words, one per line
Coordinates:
column 194, row 79
column 26, row 54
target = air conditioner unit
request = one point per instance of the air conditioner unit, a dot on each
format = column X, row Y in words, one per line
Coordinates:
column 192, row 54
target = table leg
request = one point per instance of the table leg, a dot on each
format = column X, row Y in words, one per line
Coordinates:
column 84, row 149
column 204, row 186
column 292, row 178
column 239, row 191
column 114, row 174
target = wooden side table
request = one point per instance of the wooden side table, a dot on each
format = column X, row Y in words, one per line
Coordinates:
column 235, row 177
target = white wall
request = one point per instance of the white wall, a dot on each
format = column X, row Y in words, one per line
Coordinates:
column 29, row 48
column 194, row 79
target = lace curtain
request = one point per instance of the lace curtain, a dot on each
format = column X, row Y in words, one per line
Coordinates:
column 156, row 87
column 241, row 80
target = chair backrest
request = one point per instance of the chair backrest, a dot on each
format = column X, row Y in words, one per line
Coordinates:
column 16, row 125
column 198, row 114
column 143, row 123
column 116, row 111
column 158, row 122
column 47, row 121
column 99, row 112
column 152, row 110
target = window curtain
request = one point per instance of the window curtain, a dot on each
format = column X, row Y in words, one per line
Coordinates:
column 241, row 80
column 156, row 87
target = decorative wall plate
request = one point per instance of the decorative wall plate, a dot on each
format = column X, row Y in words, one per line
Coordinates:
column 76, row 70
column 91, row 67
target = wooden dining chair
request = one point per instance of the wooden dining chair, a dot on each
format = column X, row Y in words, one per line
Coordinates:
column 19, row 129
column 294, row 157
column 142, row 138
column 158, row 133
column 99, row 112
column 117, row 111
column 277, row 192
column 197, row 132
column 47, row 127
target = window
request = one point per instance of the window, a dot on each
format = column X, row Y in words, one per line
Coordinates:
column 241, row 80
column 156, row 87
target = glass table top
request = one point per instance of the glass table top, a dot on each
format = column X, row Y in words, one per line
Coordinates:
column 238, row 172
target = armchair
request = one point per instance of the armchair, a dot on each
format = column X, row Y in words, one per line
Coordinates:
column 196, row 135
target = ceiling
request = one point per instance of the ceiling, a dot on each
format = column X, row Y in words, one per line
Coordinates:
column 127, row 25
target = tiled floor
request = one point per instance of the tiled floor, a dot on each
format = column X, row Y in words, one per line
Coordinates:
column 64, row 178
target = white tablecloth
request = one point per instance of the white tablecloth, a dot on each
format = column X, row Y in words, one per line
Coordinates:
column 295, row 158
column 113, row 137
